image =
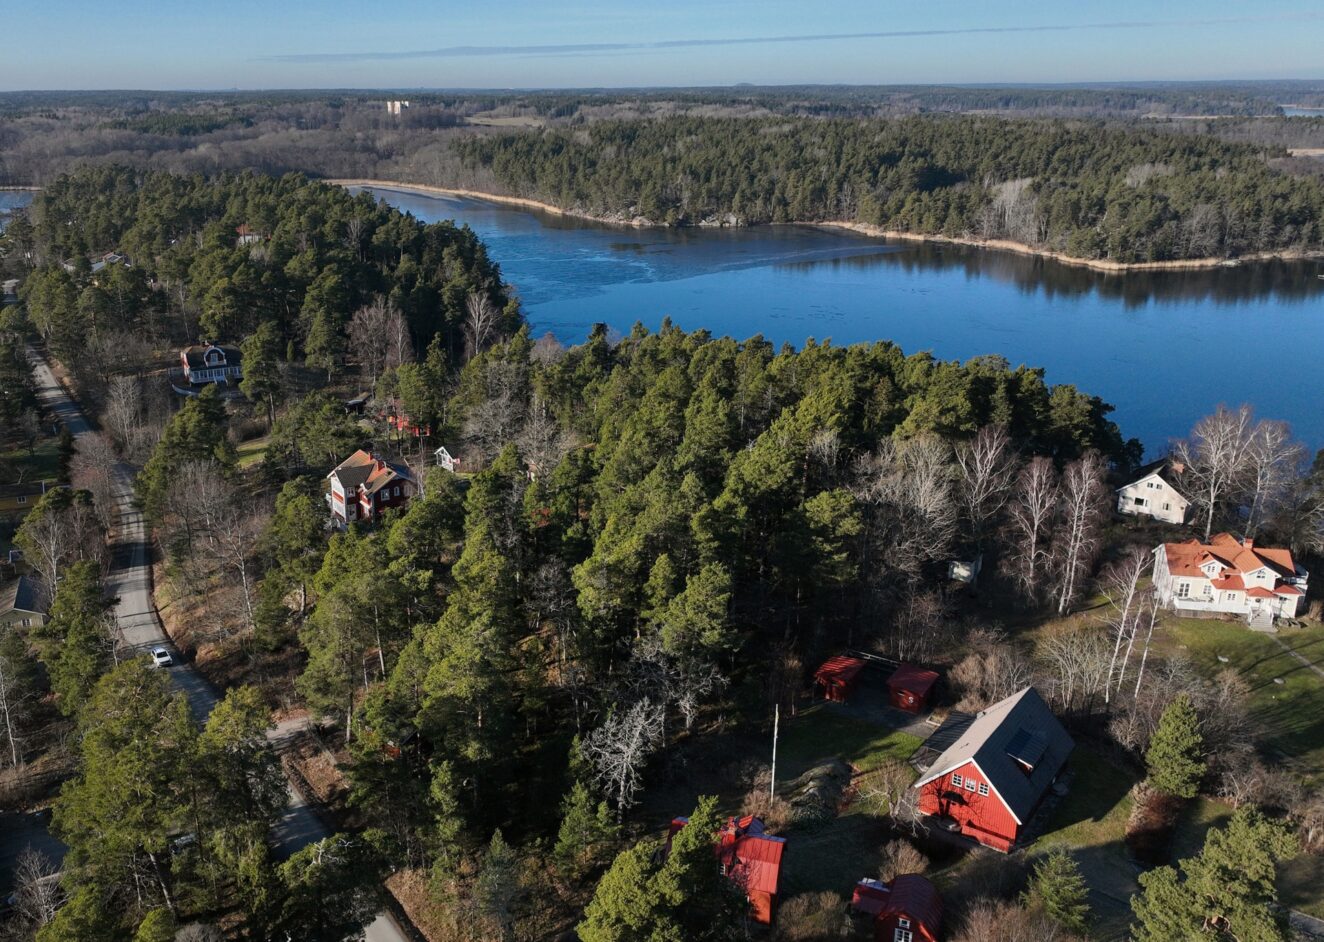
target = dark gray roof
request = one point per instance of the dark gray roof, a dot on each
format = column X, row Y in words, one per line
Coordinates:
column 194, row 354
column 1163, row 467
column 23, row 595
column 1018, row 729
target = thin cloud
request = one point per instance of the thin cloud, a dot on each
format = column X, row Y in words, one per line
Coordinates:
column 590, row 49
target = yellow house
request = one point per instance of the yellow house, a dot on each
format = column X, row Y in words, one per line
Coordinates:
column 17, row 499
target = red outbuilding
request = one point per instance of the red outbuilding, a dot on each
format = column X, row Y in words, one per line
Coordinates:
column 905, row 910
column 751, row 859
column 997, row 769
column 909, row 687
column 838, row 677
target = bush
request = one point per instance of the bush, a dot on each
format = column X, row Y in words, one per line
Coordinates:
column 901, row 856
column 813, row 917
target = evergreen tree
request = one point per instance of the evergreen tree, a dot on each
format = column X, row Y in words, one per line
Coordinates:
column 1227, row 889
column 587, row 829
column 1058, row 888
column 197, row 432
column 263, row 379
column 74, row 644
column 1175, row 758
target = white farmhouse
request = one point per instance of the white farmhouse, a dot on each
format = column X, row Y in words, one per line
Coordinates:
column 1230, row 576
column 1153, row 492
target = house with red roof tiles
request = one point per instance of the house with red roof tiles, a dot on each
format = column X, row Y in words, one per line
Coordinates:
column 1229, row 576
column 751, row 858
column 906, row 909
column 364, row 486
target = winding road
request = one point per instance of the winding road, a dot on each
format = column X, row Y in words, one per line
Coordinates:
column 130, row 579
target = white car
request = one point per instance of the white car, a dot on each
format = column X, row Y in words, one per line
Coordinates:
column 161, row 658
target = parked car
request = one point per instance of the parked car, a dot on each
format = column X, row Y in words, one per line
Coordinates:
column 161, row 658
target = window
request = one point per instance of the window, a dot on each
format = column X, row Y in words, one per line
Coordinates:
column 1232, row 596
column 1208, row 589
column 1140, row 502
column 397, row 490
column 1167, row 506
column 1151, row 485
column 903, row 922
column 903, row 935
column 983, row 789
column 27, row 623
column 1183, row 590
column 969, row 784
column 22, row 500
column 956, row 779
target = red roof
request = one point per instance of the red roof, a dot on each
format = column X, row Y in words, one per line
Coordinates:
column 1259, row 592
column 915, row 679
column 1230, row 582
column 1288, row 590
column 840, row 670
column 870, row 897
column 755, row 862
column 917, row 898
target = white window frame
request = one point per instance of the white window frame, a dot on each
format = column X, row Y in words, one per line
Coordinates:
column 957, row 780
column 983, row 789
column 1183, row 590
column 903, row 935
column 22, row 500
column 903, row 922
column 969, row 784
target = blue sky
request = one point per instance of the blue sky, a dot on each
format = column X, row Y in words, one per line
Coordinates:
column 524, row 43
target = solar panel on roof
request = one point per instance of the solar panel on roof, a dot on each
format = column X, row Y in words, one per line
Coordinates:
column 1027, row 746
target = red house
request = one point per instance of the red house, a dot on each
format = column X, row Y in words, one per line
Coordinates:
column 907, row 909
column 988, row 783
column 363, row 487
column 909, row 687
column 751, row 859
column 838, row 677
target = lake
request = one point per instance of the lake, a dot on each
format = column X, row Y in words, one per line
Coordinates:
column 1164, row 348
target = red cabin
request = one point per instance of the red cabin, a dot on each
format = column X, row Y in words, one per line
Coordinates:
column 997, row 769
column 909, row 687
column 751, row 858
column 838, row 677
column 913, row 911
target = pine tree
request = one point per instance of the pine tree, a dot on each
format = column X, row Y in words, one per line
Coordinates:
column 1228, row 888
column 1175, row 758
column 497, row 885
column 1058, row 888
column 587, row 829
column 73, row 644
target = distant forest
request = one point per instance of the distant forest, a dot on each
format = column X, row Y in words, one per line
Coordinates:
column 1083, row 189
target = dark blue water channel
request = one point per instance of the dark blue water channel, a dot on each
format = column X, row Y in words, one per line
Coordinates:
column 1164, row 348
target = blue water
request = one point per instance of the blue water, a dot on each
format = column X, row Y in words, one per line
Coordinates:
column 12, row 199
column 1164, row 348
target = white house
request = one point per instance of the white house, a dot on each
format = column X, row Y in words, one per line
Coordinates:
column 445, row 460
column 1230, row 576
column 211, row 363
column 1153, row 492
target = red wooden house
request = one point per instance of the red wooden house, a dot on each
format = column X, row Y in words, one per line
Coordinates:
column 909, row 687
column 905, row 910
column 363, row 487
column 989, row 781
column 751, row 859
column 838, row 677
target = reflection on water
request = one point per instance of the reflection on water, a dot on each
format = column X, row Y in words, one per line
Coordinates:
column 1164, row 347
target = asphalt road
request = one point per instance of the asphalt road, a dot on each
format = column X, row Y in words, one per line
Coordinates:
column 140, row 627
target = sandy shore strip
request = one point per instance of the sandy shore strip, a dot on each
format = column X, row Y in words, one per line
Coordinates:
column 864, row 229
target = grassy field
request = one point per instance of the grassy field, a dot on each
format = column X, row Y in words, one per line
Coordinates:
column 252, row 451
column 834, row 855
column 42, row 465
column 1287, row 697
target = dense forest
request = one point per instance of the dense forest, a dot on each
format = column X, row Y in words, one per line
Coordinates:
column 321, row 254
column 1085, row 190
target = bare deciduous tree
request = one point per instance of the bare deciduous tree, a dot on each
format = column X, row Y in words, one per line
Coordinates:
column 1215, row 459
column 1076, row 661
column 988, row 466
column 93, row 470
column 379, row 337
column 124, row 414
column 992, row 671
column 618, row 749
column 885, row 789
column 37, row 893
column 1273, row 463
column 1077, row 544
column 901, row 857
column 480, row 323
column 1033, row 505
column 1121, row 587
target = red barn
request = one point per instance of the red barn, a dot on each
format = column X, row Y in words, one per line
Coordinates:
column 909, row 687
column 838, row 677
column 904, row 910
column 995, row 773
column 751, row 859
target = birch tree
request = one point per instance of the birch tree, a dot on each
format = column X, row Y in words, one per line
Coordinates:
column 1216, row 457
column 1273, row 463
column 1077, row 545
column 988, row 466
column 1121, row 587
column 1032, row 508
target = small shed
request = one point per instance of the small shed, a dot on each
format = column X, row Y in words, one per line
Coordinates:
column 870, row 897
column 444, row 459
column 912, row 913
column 909, row 687
column 751, row 858
column 838, row 677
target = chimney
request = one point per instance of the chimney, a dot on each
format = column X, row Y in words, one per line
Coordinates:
column 381, row 465
column 1178, row 467
column 1248, row 543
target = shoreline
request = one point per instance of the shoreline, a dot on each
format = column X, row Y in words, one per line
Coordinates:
column 1105, row 266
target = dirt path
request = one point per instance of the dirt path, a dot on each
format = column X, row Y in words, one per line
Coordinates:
column 1292, row 652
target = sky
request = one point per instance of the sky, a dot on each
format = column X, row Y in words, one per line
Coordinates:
column 219, row 44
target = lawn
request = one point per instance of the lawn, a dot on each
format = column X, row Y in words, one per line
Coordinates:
column 42, row 465
column 1287, row 697
column 252, row 451
column 834, row 855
